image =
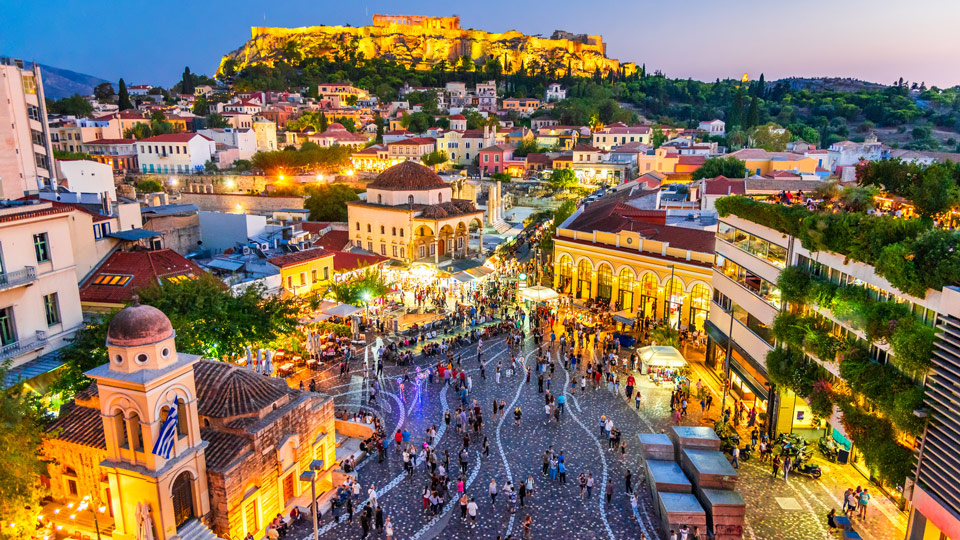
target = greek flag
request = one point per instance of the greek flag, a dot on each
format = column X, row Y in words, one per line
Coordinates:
column 168, row 434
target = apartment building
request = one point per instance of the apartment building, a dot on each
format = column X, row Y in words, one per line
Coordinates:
column 175, row 153
column 26, row 151
column 828, row 321
column 39, row 299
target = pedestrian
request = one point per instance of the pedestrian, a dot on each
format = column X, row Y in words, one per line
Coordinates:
column 736, row 457
column 463, row 506
column 776, row 465
column 589, row 485
column 609, row 490
column 527, row 525
column 472, row 512
column 846, row 496
column 628, row 481
column 378, row 520
column 365, row 522
column 523, row 492
column 389, row 529
column 582, row 481
column 864, row 500
column 493, row 491
column 787, row 465
column 637, row 400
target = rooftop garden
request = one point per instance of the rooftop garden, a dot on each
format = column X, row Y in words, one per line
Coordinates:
column 913, row 254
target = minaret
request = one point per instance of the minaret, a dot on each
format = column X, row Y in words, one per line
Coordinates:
column 138, row 388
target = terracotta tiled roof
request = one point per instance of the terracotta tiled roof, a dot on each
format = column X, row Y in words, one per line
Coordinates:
column 585, row 148
column 649, row 253
column 344, row 261
column 224, row 390
column 145, row 268
column 458, row 117
column 175, row 137
column 111, row 141
column 538, row 158
column 29, row 212
column 692, row 160
column 407, row 176
column 333, row 240
column 721, row 185
column 223, row 448
column 299, row 257
column 456, row 207
column 314, row 227
column 79, row 425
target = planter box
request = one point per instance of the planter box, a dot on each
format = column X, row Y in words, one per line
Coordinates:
column 657, row 446
column 679, row 509
column 725, row 512
column 696, row 437
column 708, row 469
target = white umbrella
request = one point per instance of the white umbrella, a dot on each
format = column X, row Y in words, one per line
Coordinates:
column 249, row 357
column 144, row 517
column 539, row 293
column 343, row 310
column 259, row 360
column 268, row 363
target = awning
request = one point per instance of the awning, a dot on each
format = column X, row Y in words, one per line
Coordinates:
column 538, row 293
column 625, row 317
column 465, row 264
column 464, row 277
column 343, row 310
column 662, row 356
column 133, row 235
column 225, row 264
column 37, row 374
column 319, row 318
column 480, row 271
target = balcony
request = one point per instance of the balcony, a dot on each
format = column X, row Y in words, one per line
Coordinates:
column 18, row 278
column 23, row 345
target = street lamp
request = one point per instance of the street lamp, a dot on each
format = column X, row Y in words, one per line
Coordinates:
column 311, row 476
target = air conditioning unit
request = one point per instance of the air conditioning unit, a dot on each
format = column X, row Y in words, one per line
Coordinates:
column 246, row 250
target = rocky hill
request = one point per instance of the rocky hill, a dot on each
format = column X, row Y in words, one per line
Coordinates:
column 424, row 45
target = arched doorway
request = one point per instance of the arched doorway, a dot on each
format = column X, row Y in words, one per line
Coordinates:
column 673, row 302
column 182, row 494
column 648, row 296
column 625, row 296
column 441, row 245
column 604, row 282
column 699, row 305
column 566, row 275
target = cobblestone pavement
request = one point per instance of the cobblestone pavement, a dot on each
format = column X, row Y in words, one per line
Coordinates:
column 556, row 509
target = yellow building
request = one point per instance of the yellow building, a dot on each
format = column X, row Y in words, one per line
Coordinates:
column 305, row 272
column 617, row 251
column 410, row 214
column 236, row 450
column 760, row 162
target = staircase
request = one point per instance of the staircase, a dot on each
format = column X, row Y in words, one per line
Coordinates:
column 501, row 226
column 195, row 530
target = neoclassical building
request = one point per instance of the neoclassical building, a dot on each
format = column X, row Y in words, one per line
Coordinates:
column 410, row 215
column 241, row 441
column 617, row 250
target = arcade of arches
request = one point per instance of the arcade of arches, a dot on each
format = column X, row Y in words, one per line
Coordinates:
column 643, row 287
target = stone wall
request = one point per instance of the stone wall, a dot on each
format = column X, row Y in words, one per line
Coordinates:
column 235, row 202
column 180, row 233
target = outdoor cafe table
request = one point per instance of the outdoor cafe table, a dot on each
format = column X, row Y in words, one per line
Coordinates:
column 285, row 369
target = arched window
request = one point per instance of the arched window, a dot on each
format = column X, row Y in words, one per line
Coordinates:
column 625, row 296
column 136, row 432
column 648, row 295
column 181, row 418
column 394, row 231
column 120, row 427
column 358, row 225
column 369, row 228
column 673, row 301
column 584, row 274
column 401, row 233
column 383, row 230
column 699, row 305
column 439, row 197
column 379, row 199
column 604, row 282
column 566, row 274
column 410, row 199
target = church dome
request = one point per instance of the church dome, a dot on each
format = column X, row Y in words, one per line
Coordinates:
column 225, row 391
column 138, row 325
column 407, row 176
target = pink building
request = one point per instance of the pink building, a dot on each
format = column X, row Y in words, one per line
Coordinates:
column 493, row 159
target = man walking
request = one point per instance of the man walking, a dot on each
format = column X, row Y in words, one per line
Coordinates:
column 472, row 512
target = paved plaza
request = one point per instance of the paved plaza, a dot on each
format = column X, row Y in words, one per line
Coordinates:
column 775, row 508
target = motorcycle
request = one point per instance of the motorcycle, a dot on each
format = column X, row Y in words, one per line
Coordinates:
column 808, row 469
column 828, row 449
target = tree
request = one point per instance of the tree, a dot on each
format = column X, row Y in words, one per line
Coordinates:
column 20, row 462
column 735, row 117
column 123, row 98
column 186, row 83
column 526, row 147
column 359, row 291
column 658, row 137
column 562, row 179
column 137, row 131
column 380, row 123
column 501, row 177
column 103, row 91
column 70, row 156
column 327, row 202
column 753, row 116
column 216, row 120
column 565, row 210
column 75, row 105
column 201, row 107
column 213, row 321
column 437, row 157
column 149, row 186
column 770, row 136
column 730, row 167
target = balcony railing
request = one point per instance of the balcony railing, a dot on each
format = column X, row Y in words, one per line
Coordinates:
column 18, row 278
column 23, row 345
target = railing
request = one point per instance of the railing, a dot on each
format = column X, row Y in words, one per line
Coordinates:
column 22, row 345
column 17, row 278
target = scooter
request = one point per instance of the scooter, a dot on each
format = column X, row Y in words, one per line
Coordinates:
column 829, row 451
column 808, row 469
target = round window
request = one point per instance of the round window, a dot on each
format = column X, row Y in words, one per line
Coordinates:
column 629, row 240
column 142, row 358
column 118, row 359
column 165, row 352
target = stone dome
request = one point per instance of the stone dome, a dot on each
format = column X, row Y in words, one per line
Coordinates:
column 225, row 391
column 138, row 325
column 407, row 176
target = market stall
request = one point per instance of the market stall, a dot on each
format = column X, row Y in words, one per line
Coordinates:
column 538, row 293
column 660, row 361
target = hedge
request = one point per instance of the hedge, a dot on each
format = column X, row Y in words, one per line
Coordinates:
column 911, row 254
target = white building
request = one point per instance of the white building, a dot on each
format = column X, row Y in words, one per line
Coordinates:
column 39, row 298
column 487, row 96
column 26, row 151
column 266, row 132
column 139, row 89
column 555, row 92
column 714, row 128
column 175, row 153
column 614, row 135
column 244, row 140
column 84, row 176
column 463, row 146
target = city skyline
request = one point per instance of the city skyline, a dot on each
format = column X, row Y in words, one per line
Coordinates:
column 879, row 45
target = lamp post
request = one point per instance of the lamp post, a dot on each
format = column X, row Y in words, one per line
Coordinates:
column 311, row 476
column 673, row 270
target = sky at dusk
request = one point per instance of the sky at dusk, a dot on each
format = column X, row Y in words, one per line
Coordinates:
column 874, row 40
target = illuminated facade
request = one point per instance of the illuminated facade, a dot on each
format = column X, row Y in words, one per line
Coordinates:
column 240, row 443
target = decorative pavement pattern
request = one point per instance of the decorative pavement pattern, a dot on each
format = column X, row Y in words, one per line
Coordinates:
column 793, row 510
